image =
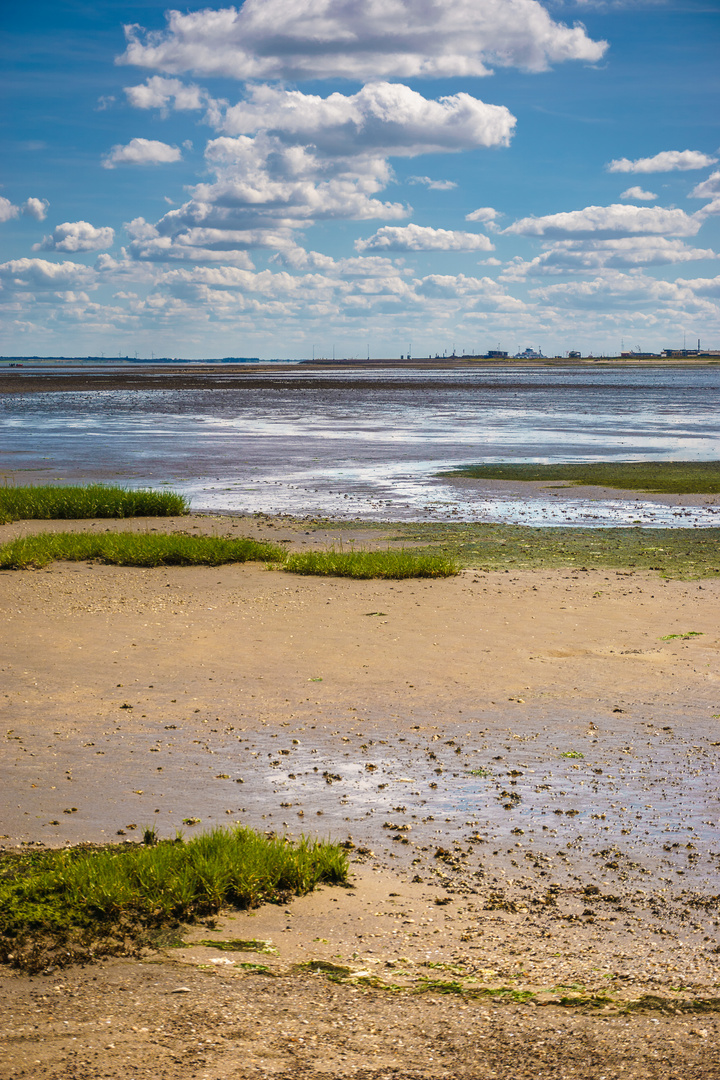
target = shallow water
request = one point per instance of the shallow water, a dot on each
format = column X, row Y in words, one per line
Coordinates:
column 367, row 444
column 621, row 800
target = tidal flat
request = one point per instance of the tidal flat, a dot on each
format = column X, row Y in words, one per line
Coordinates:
column 520, row 759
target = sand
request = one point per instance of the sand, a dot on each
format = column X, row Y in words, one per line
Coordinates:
column 526, row 769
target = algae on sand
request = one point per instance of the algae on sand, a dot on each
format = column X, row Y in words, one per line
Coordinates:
column 677, row 553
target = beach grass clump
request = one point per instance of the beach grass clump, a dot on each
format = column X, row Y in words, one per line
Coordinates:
column 84, row 902
column 58, row 502
column 659, row 477
column 395, row 564
column 134, row 549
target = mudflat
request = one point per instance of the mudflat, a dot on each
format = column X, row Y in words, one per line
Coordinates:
column 523, row 765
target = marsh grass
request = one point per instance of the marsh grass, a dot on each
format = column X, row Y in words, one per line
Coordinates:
column 675, row 553
column 392, row 564
column 58, row 502
column 60, row 906
column 134, row 549
column 662, row 477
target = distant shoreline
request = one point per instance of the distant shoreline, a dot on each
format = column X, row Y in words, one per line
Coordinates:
column 11, row 363
column 207, row 375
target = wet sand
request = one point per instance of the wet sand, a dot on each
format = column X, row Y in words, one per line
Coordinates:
column 519, row 757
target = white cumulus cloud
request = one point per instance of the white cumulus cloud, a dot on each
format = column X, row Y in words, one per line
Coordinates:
column 707, row 189
column 608, row 222
column 582, row 256
column 422, row 238
column 433, row 185
column 360, row 39
column 159, row 93
column 8, row 210
column 665, row 161
column 486, row 214
column 142, row 152
column 35, row 208
column 77, row 236
column 382, row 116
column 24, row 274
column 639, row 194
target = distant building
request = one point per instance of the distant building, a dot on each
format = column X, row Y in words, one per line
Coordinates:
column 495, row 354
column 529, row 354
column 679, row 354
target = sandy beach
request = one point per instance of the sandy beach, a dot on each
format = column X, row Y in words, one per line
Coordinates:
column 523, row 769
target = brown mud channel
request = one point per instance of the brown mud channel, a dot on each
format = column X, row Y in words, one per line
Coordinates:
column 526, row 770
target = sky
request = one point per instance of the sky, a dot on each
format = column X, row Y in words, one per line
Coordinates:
column 296, row 178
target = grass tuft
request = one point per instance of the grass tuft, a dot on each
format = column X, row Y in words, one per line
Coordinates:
column 134, row 549
column 371, row 564
column 662, row 477
column 58, row 502
column 60, row 906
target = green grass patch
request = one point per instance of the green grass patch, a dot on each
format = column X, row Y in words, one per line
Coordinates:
column 682, row 637
column 372, row 564
column 662, row 477
column 79, row 903
column 134, row 549
column 677, row 553
column 57, row 502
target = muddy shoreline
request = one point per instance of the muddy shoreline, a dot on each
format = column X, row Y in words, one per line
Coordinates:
column 519, row 757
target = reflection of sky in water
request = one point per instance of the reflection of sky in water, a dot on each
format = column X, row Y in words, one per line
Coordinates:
column 367, row 444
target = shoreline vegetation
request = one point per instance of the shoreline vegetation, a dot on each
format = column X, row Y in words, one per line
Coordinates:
column 436, row 549
column 178, row 549
column 658, row 477
column 76, row 904
column 67, row 502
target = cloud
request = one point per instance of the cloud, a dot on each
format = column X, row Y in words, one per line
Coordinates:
column 8, row 210
column 360, row 39
column 382, row 116
column 485, row 293
column 707, row 189
column 708, row 210
column 77, row 236
column 608, row 222
column 486, row 214
column 614, row 290
column 35, row 208
column 666, row 161
column 581, row 256
column 639, row 194
column 158, row 93
column 141, row 152
column 433, row 185
column 260, row 181
column 422, row 238
column 25, row 274
column 166, row 94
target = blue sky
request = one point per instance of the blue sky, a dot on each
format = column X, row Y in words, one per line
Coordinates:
column 294, row 176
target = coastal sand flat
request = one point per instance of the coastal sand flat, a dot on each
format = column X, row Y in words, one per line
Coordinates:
column 427, row 721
